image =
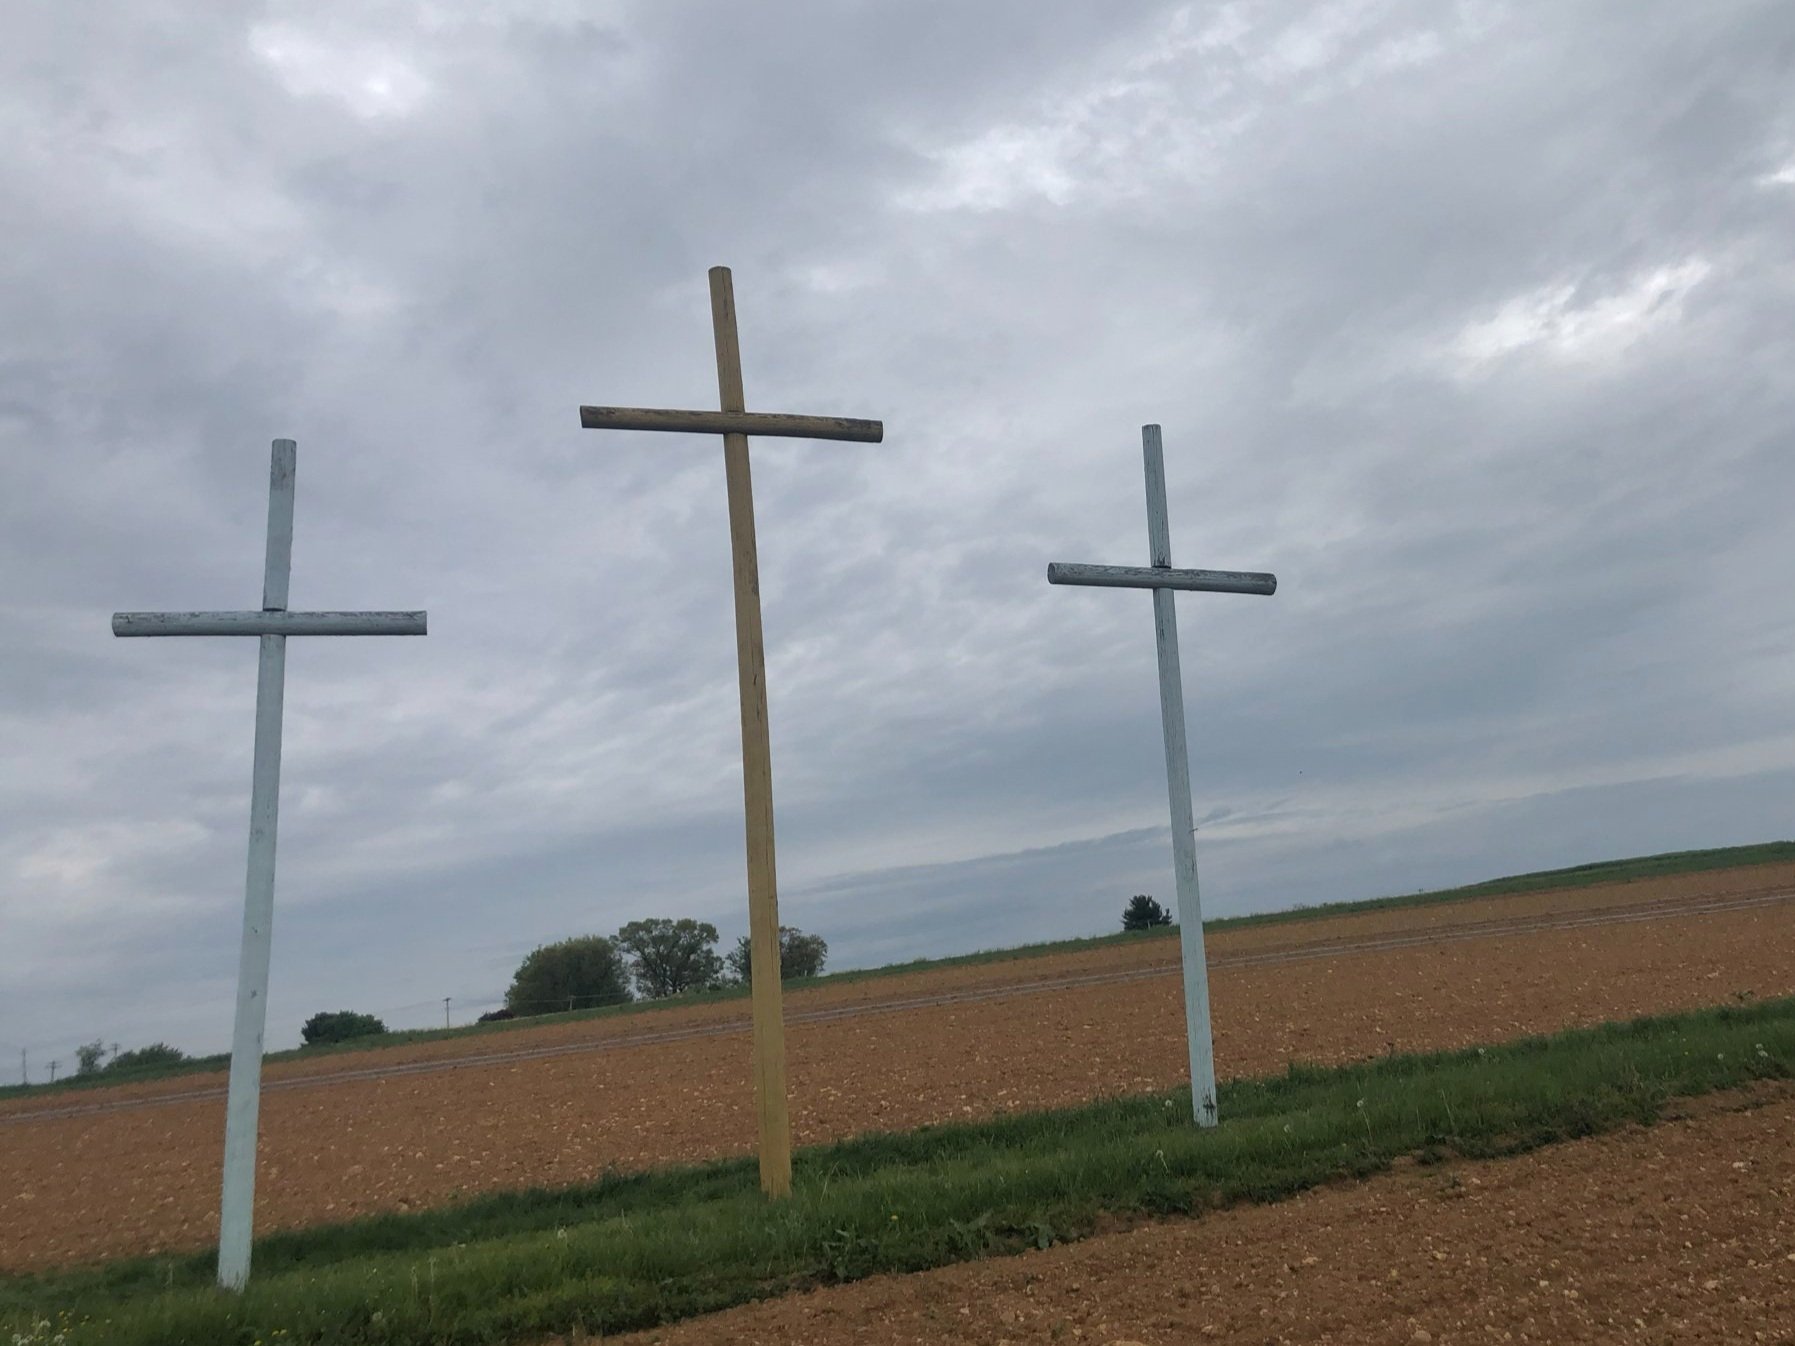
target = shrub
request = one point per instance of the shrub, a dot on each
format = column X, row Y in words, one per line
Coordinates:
column 339, row 1026
column 1143, row 913
column 145, row 1058
column 574, row 973
column 800, row 955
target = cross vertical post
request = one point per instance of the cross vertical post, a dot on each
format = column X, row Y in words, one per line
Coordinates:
column 1164, row 581
column 272, row 624
column 236, row 1214
column 1184, row 827
column 735, row 424
column 771, row 1106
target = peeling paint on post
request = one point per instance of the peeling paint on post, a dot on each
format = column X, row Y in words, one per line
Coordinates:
column 1163, row 581
column 272, row 625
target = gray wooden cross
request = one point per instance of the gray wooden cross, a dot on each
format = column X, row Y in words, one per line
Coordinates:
column 1162, row 580
column 273, row 624
column 735, row 425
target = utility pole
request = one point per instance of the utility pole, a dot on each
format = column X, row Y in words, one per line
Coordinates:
column 445, row 1011
column 24, row 1066
column 53, row 1066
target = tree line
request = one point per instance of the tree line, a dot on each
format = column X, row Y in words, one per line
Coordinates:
column 93, row 1058
column 644, row 960
column 647, row 960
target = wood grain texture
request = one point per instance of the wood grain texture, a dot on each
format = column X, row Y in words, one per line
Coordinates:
column 771, row 1107
column 733, row 422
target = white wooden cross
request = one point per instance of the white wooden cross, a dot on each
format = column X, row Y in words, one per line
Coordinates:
column 735, row 425
column 273, row 624
column 1163, row 580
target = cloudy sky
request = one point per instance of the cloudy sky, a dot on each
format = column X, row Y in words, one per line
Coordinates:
column 1471, row 321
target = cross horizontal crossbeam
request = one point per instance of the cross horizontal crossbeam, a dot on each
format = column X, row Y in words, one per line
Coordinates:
column 732, row 423
column 1162, row 577
column 268, row 623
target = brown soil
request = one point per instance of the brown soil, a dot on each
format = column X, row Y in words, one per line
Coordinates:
column 1683, row 1233
column 146, row 1179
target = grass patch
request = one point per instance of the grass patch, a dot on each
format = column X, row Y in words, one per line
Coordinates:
column 640, row 1249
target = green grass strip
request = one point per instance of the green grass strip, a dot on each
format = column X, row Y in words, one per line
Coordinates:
column 1577, row 876
column 643, row 1249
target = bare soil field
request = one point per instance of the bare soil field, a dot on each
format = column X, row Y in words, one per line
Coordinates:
column 1677, row 1234
column 136, row 1169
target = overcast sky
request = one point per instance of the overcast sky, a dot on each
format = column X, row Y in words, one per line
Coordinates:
column 1471, row 321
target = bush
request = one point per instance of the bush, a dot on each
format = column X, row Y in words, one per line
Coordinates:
column 146, row 1058
column 339, row 1026
column 575, row 973
column 496, row 1016
column 800, row 955
column 1143, row 913
column 668, row 956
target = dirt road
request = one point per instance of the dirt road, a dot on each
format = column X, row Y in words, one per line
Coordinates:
column 385, row 1130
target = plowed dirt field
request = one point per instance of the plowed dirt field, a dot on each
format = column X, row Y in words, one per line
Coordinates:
column 96, row 1174
column 1679, row 1235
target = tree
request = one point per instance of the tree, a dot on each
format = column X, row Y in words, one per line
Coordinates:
column 339, row 1026
column 576, row 973
column 800, row 955
column 1143, row 913
column 669, row 956
column 87, row 1057
column 144, row 1058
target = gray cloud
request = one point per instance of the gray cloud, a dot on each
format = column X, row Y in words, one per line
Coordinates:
column 1469, row 321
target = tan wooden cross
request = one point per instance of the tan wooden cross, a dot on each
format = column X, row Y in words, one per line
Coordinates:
column 735, row 424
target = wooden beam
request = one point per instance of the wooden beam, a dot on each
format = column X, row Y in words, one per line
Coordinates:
column 1199, row 1035
column 757, row 761
column 267, row 623
column 736, row 422
column 1162, row 577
